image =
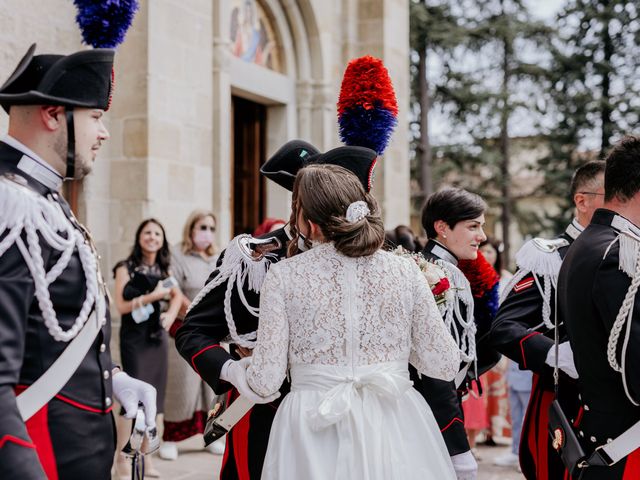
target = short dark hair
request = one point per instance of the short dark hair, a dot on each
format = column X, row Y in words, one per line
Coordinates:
column 586, row 175
column 622, row 173
column 451, row 205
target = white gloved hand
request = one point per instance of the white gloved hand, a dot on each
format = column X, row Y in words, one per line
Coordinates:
column 565, row 359
column 235, row 372
column 129, row 391
column 465, row 466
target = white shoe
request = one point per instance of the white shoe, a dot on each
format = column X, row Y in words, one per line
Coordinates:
column 217, row 447
column 507, row 460
column 168, row 451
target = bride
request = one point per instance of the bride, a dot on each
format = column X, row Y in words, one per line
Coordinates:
column 345, row 319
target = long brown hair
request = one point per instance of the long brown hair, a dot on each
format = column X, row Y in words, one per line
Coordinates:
column 324, row 192
column 195, row 217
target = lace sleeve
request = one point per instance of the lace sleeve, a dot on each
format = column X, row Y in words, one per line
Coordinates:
column 433, row 350
column 269, row 360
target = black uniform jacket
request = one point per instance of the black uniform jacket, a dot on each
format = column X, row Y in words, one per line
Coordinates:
column 442, row 396
column 519, row 333
column 73, row 422
column 205, row 326
column 198, row 341
column 591, row 289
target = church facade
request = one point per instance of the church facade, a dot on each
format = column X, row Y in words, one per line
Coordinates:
column 205, row 91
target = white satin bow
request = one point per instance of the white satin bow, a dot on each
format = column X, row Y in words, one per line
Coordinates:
column 337, row 402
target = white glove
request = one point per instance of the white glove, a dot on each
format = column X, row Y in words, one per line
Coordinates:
column 129, row 391
column 235, row 372
column 565, row 359
column 465, row 466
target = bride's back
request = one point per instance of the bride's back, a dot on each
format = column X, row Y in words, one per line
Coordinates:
column 347, row 311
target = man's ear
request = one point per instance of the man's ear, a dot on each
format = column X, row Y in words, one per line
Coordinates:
column 578, row 201
column 52, row 116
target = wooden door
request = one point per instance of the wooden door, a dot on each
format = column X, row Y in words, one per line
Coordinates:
column 249, row 127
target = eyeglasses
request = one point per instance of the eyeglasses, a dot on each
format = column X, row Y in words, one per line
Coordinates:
column 207, row 227
column 591, row 193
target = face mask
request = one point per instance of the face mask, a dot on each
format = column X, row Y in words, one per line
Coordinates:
column 301, row 242
column 202, row 239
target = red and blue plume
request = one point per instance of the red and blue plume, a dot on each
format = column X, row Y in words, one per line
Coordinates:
column 367, row 107
column 104, row 23
column 484, row 281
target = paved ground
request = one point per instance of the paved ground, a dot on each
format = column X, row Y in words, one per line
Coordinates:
column 197, row 464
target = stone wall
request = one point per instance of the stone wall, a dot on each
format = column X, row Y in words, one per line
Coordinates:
column 169, row 150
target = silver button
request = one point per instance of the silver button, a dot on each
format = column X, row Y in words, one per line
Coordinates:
column 105, row 374
column 107, row 402
column 104, row 321
column 593, row 439
column 103, row 347
column 609, row 440
column 586, row 408
column 581, row 433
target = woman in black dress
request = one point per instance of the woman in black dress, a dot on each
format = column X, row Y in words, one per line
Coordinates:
column 149, row 301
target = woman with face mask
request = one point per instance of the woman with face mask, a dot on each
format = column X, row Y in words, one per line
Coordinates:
column 188, row 398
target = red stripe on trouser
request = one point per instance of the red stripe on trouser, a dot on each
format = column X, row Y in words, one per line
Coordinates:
column 632, row 467
column 530, row 423
column 542, row 461
column 38, row 429
column 241, row 446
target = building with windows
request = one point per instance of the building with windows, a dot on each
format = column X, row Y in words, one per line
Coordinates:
column 205, row 91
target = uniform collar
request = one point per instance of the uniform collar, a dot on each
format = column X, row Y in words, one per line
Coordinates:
column 603, row 216
column 574, row 229
column 34, row 166
column 440, row 251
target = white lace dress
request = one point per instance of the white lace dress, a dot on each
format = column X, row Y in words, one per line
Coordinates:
column 346, row 329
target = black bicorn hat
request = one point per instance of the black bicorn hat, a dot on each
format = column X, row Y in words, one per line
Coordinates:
column 294, row 155
column 82, row 79
column 283, row 165
column 361, row 161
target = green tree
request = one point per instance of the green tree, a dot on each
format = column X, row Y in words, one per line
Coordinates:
column 493, row 82
column 434, row 30
column 592, row 89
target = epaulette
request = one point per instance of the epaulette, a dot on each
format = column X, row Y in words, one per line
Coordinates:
column 549, row 246
column 629, row 252
column 22, row 207
column 245, row 261
column 540, row 257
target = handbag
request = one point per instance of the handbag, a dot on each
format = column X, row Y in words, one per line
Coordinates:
column 564, row 439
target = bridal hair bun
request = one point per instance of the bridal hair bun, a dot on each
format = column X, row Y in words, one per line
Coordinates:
column 335, row 200
column 357, row 211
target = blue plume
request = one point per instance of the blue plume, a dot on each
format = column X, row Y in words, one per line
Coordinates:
column 104, row 23
column 493, row 300
column 371, row 128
